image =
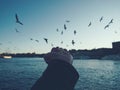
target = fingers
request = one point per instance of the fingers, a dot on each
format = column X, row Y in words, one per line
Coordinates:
column 58, row 54
column 55, row 49
column 60, row 50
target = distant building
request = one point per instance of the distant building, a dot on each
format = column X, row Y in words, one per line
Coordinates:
column 116, row 45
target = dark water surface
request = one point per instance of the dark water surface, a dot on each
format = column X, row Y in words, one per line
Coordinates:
column 21, row 73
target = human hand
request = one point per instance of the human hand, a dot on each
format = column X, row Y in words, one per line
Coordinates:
column 59, row 54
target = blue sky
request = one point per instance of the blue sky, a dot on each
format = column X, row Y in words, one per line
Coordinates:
column 41, row 18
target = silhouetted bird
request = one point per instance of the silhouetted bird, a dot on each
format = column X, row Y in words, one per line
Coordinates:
column 65, row 27
column 75, row 32
column 31, row 38
column 16, row 30
column 101, row 19
column 106, row 26
column 46, row 40
column 73, row 42
column 67, row 21
column 17, row 20
column 89, row 24
column 61, row 42
column 57, row 30
column 61, row 32
column 37, row 41
column 111, row 21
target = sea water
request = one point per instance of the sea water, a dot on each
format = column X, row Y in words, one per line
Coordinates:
column 21, row 73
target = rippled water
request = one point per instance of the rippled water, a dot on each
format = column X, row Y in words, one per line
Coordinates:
column 21, row 73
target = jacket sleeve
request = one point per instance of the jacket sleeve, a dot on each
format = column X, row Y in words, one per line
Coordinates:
column 59, row 75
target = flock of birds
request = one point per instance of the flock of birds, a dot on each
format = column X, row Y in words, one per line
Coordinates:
column 45, row 39
column 61, row 32
column 100, row 20
column 106, row 26
column 65, row 28
column 19, row 22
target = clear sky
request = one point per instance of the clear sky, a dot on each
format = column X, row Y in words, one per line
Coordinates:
column 41, row 18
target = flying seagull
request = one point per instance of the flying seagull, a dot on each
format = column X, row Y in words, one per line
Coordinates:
column 73, row 42
column 111, row 21
column 37, row 41
column 17, row 20
column 61, row 42
column 46, row 40
column 57, row 30
column 16, row 30
column 31, row 38
column 67, row 21
column 65, row 27
column 89, row 24
column 61, row 32
column 101, row 19
column 75, row 32
column 106, row 26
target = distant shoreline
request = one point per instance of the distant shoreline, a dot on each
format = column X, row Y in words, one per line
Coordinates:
column 100, row 53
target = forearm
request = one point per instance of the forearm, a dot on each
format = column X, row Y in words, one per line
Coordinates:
column 58, row 75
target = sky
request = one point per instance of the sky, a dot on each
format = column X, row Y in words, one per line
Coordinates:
column 41, row 18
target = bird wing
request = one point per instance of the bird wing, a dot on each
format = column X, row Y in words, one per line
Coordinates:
column 106, row 26
column 89, row 24
column 16, row 16
column 17, row 20
column 65, row 27
column 37, row 40
column 20, row 23
column 46, row 40
column 100, row 19
column 67, row 21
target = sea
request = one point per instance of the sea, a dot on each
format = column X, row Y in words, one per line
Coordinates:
column 22, row 73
